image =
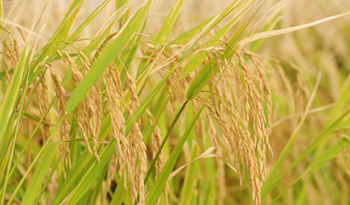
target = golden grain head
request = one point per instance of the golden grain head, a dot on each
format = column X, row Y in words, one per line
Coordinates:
column 130, row 98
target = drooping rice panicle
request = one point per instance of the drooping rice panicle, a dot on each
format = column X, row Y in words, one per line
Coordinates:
column 84, row 98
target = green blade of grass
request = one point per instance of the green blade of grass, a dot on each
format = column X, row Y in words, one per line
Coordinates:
column 8, row 104
column 88, row 179
column 111, row 51
column 36, row 159
column 31, row 137
column 159, row 108
column 287, row 147
column 54, row 166
column 160, row 183
column 60, row 34
column 214, row 22
column 341, row 104
column 197, row 59
column 72, row 175
column 14, row 139
column 105, row 129
column 39, row 176
column 163, row 142
column 325, row 157
column 95, row 42
column 329, row 130
column 187, row 190
column 29, row 116
column 63, row 29
column 6, row 140
column 3, row 74
column 65, row 39
column 119, row 4
column 204, row 75
column 183, row 37
column 169, row 22
column 119, row 194
column 98, row 188
column 131, row 54
column 164, row 32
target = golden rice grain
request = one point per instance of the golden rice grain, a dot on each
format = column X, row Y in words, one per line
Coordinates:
column 64, row 131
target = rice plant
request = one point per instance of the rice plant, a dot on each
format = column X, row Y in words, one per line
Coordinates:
column 110, row 102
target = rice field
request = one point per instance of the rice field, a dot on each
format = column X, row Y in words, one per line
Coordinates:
column 191, row 102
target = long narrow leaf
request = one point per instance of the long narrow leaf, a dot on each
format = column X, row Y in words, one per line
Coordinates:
column 39, row 176
column 8, row 105
column 160, row 183
column 111, row 51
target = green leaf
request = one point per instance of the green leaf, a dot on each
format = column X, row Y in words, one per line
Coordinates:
column 86, row 159
column 65, row 25
column 164, row 141
column 214, row 22
column 98, row 187
column 54, row 166
column 119, row 194
column 36, row 159
column 69, row 17
column 8, row 105
column 267, row 188
column 163, row 33
column 182, row 38
column 201, row 79
column 204, row 75
column 325, row 157
column 159, row 108
column 3, row 73
column 93, row 172
column 97, row 40
column 29, row 116
column 31, row 137
column 39, row 176
column 187, row 190
column 160, row 183
column 7, row 139
column 111, row 51
column 287, row 147
column 193, row 63
column 60, row 34
column 119, row 4
column 169, row 22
